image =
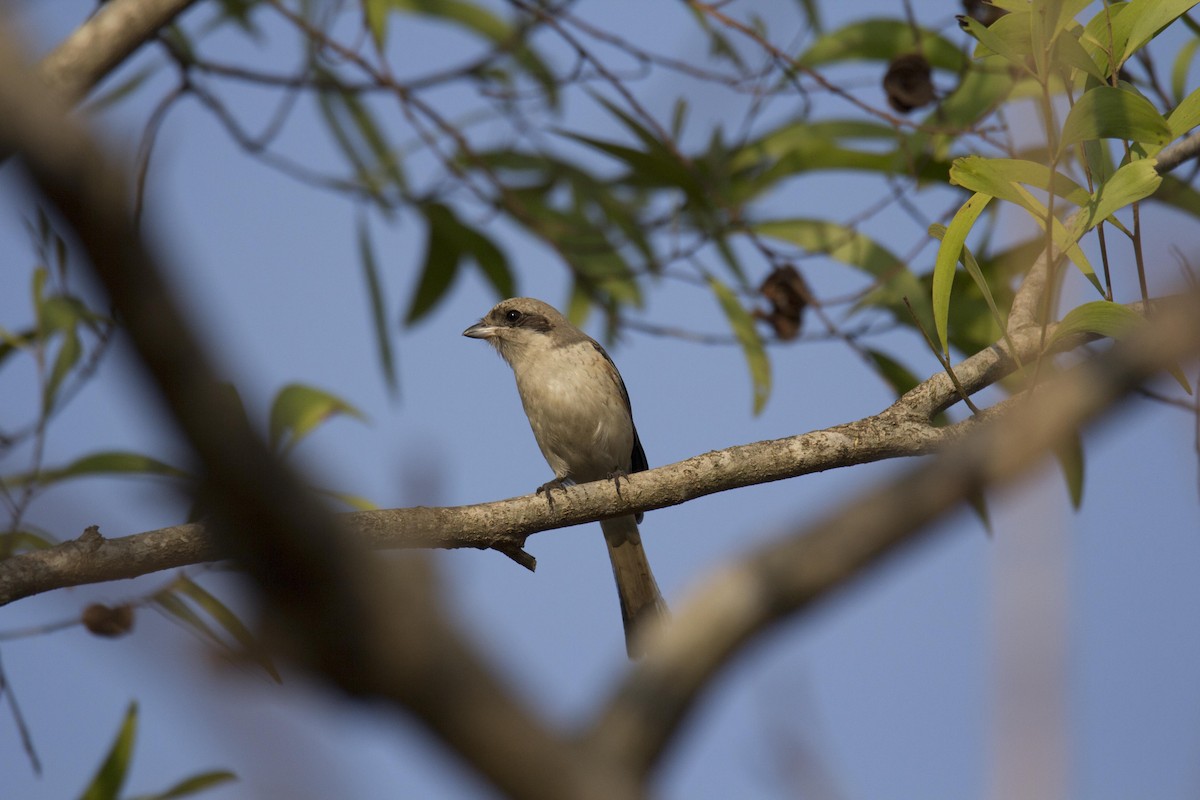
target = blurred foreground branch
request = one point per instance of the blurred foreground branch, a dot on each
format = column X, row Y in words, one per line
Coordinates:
column 328, row 607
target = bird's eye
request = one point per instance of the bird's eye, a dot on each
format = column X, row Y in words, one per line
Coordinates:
column 512, row 315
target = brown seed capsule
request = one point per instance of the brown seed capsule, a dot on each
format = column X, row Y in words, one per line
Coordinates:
column 108, row 621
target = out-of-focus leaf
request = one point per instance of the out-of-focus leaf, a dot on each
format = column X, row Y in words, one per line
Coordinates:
column 103, row 463
column 13, row 542
column 882, row 39
column 375, row 160
column 1142, row 20
column 13, row 342
column 898, row 376
column 193, row 785
column 1180, row 70
column 1187, row 114
column 111, row 97
column 443, row 254
column 1106, row 112
column 108, row 780
column 1068, row 50
column 298, row 409
column 487, row 25
column 229, row 622
column 68, row 356
column 490, row 259
column 357, row 502
column 375, row 16
column 947, row 262
column 1070, row 461
column 383, row 339
column 747, row 335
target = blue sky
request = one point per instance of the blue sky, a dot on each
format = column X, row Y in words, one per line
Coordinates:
column 901, row 686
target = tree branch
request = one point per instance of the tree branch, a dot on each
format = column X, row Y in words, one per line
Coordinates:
column 117, row 29
column 902, row 430
column 328, row 606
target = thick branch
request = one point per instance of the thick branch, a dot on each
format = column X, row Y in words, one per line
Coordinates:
column 118, row 28
column 902, row 430
column 328, row 606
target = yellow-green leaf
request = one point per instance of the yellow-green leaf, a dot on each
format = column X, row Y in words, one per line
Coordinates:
column 1106, row 112
column 383, row 339
column 102, row 463
column 298, row 409
column 747, row 335
column 108, row 780
column 229, row 621
column 947, row 261
column 193, row 785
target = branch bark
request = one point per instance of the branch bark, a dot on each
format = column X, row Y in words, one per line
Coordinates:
column 115, row 31
column 902, row 430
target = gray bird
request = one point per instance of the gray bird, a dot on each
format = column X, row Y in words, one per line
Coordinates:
column 580, row 414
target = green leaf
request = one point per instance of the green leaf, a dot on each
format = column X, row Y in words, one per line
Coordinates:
column 1180, row 70
column 383, row 339
column 485, row 24
column 967, row 259
column 999, row 177
column 68, row 356
column 193, row 785
column 1147, row 18
column 443, row 254
column 298, row 409
column 1100, row 317
column 489, row 258
column 1106, row 112
column 747, row 335
column 353, row 127
column 103, row 463
column 1070, row 461
column 107, row 783
column 229, row 621
column 1008, row 37
column 1134, row 181
column 882, row 39
column 898, row 376
column 947, row 261
column 1187, row 114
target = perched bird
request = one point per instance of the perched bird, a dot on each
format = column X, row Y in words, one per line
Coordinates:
column 580, row 414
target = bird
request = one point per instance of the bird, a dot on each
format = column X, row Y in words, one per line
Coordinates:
column 581, row 417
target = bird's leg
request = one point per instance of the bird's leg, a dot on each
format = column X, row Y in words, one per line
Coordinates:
column 556, row 483
column 616, row 476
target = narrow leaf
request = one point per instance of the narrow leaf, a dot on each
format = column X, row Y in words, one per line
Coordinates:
column 747, row 335
column 947, row 261
column 443, row 254
column 193, row 785
column 99, row 464
column 107, row 783
column 1070, row 460
column 230, row 622
column 383, row 339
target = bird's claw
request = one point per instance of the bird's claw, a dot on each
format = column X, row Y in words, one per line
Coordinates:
column 547, row 487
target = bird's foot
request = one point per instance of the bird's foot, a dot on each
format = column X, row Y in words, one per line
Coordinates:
column 549, row 486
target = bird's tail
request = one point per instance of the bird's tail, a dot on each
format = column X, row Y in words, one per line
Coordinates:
column 642, row 605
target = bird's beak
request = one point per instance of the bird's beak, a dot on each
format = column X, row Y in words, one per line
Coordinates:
column 480, row 330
